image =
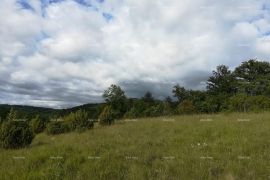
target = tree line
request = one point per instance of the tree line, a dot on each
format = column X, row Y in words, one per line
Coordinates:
column 245, row 89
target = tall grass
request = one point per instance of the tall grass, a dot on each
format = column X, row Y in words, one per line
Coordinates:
column 223, row 146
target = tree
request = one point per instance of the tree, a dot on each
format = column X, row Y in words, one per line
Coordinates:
column 251, row 70
column 222, row 81
column 148, row 98
column 253, row 77
column 180, row 93
column 116, row 99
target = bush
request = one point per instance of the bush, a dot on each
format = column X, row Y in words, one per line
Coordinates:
column 58, row 127
column 154, row 111
column 74, row 121
column 132, row 113
column 106, row 116
column 15, row 134
column 244, row 103
column 186, row 107
column 79, row 120
column 37, row 125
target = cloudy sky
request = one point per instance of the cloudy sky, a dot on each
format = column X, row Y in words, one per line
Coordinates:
column 62, row 53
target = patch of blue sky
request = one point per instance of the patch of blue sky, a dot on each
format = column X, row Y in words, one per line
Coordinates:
column 42, row 36
column 84, row 3
column 55, row 1
column 107, row 16
column 36, row 45
column 24, row 4
column 267, row 33
column 266, row 7
column 100, row 1
column 43, row 4
column 256, row 18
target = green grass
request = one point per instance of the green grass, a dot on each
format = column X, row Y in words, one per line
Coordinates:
column 191, row 147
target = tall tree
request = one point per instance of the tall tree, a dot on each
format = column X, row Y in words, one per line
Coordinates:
column 180, row 93
column 222, row 81
column 253, row 77
column 148, row 97
column 116, row 98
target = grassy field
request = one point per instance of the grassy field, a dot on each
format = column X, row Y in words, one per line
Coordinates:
column 223, row 146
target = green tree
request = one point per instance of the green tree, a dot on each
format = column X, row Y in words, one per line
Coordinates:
column 148, row 98
column 253, row 77
column 222, row 81
column 116, row 99
column 180, row 93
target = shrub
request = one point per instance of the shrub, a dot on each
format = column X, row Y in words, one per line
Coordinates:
column 106, row 116
column 37, row 125
column 11, row 115
column 244, row 103
column 186, row 107
column 153, row 111
column 132, row 113
column 15, row 134
column 58, row 127
column 79, row 120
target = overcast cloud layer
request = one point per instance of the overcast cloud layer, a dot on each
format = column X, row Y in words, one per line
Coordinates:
column 62, row 53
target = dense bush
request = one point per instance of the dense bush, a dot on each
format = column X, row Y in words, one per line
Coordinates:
column 244, row 103
column 15, row 134
column 74, row 121
column 58, row 127
column 37, row 125
column 106, row 116
column 132, row 113
column 186, row 107
column 79, row 120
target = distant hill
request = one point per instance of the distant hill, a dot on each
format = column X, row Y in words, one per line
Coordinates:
column 47, row 113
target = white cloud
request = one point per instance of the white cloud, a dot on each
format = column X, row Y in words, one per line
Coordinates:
column 73, row 47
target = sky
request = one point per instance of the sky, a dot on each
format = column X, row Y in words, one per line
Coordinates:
column 63, row 53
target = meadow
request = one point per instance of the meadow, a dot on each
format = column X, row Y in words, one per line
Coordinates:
column 221, row 146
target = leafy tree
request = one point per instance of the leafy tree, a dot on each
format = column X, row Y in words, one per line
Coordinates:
column 180, row 93
column 221, row 82
column 253, row 77
column 115, row 97
column 148, row 98
column 251, row 70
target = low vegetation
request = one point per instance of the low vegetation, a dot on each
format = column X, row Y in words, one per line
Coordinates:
column 223, row 146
